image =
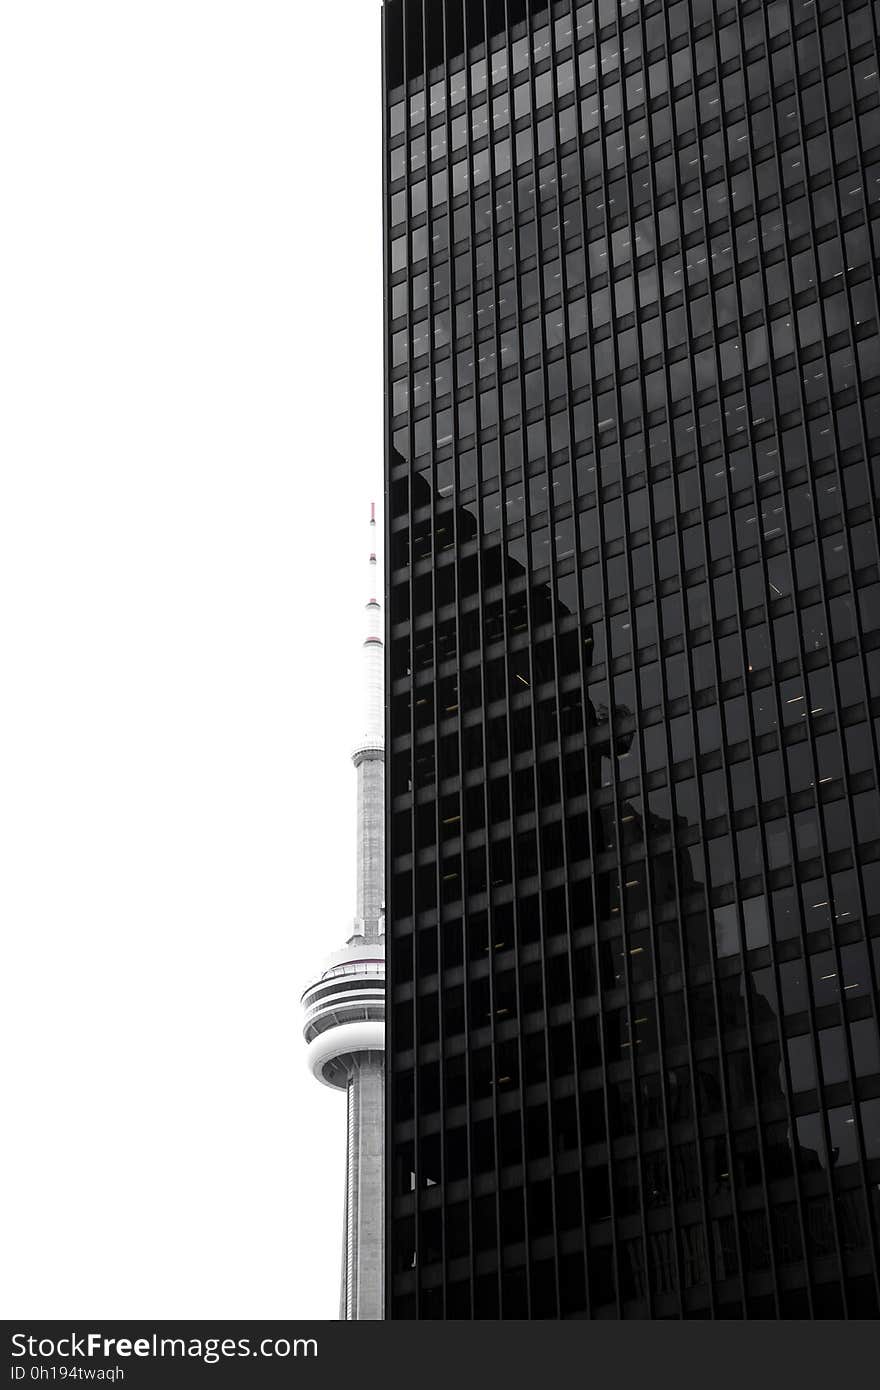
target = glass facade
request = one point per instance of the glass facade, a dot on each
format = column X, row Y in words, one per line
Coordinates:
column 633, row 667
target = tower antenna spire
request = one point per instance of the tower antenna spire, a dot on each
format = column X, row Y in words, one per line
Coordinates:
column 374, row 652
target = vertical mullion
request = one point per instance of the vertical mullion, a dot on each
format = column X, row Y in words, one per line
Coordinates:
column 503, row 482
column 560, row 759
column 490, row 913
column 532, row 29
column 389, row 1213
column 454, row 391
column 500, row 440
column 438, row 878
column 611, row 811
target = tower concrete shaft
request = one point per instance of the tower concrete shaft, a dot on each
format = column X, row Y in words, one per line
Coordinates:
column 363, row 1244
column 370, row 921
column 345, row 1007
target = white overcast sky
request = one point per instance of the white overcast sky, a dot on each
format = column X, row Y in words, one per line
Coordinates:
column 191, row 379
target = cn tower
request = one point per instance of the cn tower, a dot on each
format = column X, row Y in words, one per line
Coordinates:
column 345, row 1007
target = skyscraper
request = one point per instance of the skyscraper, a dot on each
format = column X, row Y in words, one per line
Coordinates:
column 345, row 1007
column 632, row 440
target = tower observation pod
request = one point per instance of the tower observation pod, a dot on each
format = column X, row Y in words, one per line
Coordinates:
column 344, row 1024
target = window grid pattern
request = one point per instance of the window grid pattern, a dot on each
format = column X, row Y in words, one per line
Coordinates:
column 634, row 659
